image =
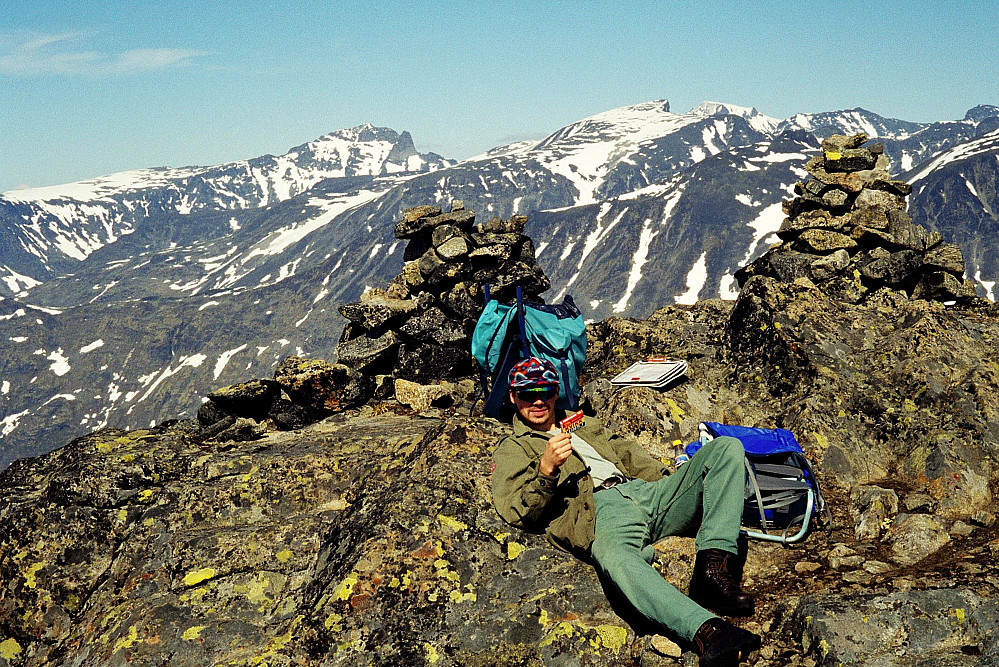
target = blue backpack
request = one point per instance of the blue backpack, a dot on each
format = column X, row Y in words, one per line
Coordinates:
column 782, row 494
column 506, row 333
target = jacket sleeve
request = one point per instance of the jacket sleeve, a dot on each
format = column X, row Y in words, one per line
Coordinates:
column 636, row 460
column 520, row 492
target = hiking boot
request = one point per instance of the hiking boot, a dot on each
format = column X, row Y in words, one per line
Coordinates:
column 720, row 644
column 714, row 586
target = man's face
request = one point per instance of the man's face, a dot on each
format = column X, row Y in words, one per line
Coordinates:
column 536, row 406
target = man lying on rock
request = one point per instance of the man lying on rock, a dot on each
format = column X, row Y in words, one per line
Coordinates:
column 603, row 497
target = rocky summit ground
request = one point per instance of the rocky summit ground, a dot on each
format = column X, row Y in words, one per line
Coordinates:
column 369, row 537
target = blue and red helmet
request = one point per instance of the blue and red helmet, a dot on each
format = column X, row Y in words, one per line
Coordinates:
column 533, row 372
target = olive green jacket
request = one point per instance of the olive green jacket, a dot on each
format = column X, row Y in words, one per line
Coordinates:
column 561, row 506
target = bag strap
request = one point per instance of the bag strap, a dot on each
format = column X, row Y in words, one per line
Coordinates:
column 813, row 481
column 522, row 323
column 497, row 394
column 751, row 475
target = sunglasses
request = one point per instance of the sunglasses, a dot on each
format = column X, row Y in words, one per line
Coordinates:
column 537, row 393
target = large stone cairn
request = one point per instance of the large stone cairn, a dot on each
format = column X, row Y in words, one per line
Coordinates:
column 419, row 328
column 847, row 231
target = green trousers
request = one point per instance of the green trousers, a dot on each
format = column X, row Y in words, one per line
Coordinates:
column 704, row 496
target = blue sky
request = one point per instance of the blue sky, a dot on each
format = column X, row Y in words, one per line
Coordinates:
column 90, row 88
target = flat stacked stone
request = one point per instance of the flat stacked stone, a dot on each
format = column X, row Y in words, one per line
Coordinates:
column 847, row 231
column 419, row 327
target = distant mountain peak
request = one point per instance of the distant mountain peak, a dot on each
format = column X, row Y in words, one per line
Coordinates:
column 981, row 112
column 756, row 119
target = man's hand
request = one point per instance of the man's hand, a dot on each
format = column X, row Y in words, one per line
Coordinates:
column 556, row 452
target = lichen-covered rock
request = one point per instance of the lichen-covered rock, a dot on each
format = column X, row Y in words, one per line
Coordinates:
column 377, row 309
column 837, row 143
column 413, row 220
column 321, row 386
column 365, row 354
column 874, row 509
column 944, row 627
column 420, row 397
column 427, row 363
column 913, row 537
column 357, row 540
column 240, row 429
column 823, row 241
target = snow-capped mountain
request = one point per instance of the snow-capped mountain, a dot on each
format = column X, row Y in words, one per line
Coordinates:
column 47, row 231
column 906, row 144
column 957, row 193
column 119, row 294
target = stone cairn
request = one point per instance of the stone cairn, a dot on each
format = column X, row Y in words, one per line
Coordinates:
column 847, row 231
column 398, row 340
column 419, row 328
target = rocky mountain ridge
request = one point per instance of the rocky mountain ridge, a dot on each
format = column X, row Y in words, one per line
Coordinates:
column 322, row 517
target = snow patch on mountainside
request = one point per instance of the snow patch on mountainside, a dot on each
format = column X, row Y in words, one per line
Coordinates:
column 16, row 282
column 695, row 281
column 238, row 265
column 984, row 144
column 11, row 422
column 989, row 285
column 60, row 362
column 92, row 346
column 104, row 187
column 193, row 361
column 224, row 359
column 585, row 152
column 639, row 259
column 765, row 226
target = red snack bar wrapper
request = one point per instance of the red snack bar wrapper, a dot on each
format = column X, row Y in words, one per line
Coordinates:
column 572, row 422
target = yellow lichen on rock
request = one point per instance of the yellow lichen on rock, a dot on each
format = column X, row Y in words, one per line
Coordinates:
column 127, row 642
column 284, row 555
column 514, row 549
column 193, row 633
column 29, row 575
column 613, row 637
column 332, row 623
column 278, row 642
column 195, row 578
column 345, row 587
column 255, row 590
column 821, row 440
column 9, row 649
column 561, row 629
column 452, row 523
column 675, row 411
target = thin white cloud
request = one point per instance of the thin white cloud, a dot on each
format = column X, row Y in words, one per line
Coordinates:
column 141, row 60
column 59, row 54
